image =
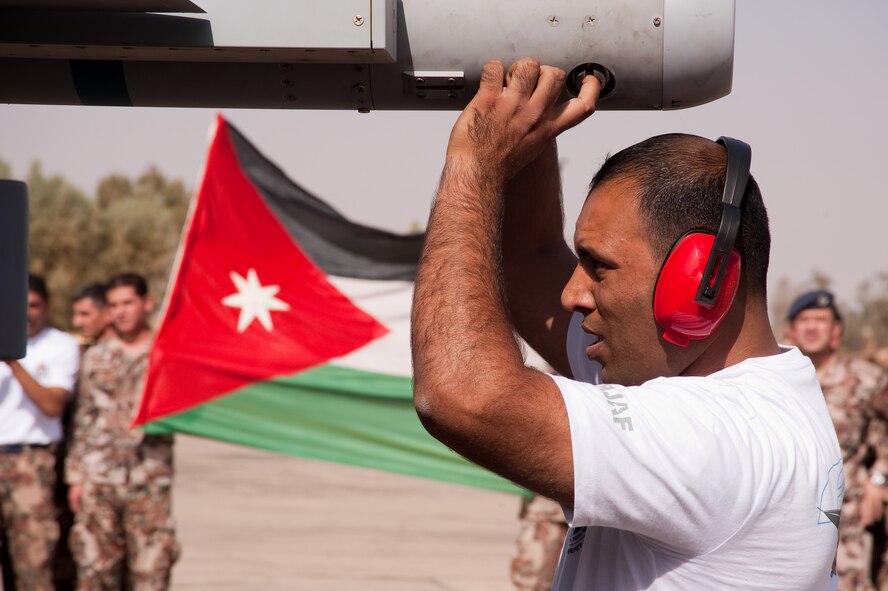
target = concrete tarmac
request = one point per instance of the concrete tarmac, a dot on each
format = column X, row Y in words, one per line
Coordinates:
column 250, row 519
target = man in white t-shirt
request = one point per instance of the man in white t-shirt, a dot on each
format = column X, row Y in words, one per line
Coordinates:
column 707, row 459
column 33, row 394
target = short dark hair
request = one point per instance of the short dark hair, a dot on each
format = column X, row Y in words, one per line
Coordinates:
column 134, row 280
column 681, row 180
column 37, row 284
column 93, row 291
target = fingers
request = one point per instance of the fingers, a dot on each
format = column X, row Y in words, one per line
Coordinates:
column 577, row 109
column 523, row 76
column 492, row 78
column 549, row 87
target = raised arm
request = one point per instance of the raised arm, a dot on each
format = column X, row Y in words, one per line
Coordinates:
column 50, row 400
column 472, row 390
column 536, row 261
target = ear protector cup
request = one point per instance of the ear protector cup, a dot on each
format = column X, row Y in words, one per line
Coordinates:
column 699, row 278
column 676, row 308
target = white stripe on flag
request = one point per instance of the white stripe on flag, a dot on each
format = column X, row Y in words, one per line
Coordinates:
column 389, row 302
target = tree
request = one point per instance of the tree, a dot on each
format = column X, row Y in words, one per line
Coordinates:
column 65, row 238
column 128, row 226
column 866, row 326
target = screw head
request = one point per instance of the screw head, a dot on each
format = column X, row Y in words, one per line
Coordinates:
column 553, row 20
column 657, row 21
column 590, row 21
column 359, row 20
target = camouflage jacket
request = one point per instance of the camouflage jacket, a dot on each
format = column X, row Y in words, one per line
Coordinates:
column 853, row 389
column 104, row 449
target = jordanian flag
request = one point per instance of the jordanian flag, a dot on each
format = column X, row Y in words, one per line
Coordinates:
column 286, row 328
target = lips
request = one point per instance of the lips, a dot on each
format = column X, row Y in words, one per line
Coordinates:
column 593, row 343
column 591, row 335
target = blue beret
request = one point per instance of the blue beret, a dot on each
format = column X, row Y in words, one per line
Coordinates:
column 819, row 298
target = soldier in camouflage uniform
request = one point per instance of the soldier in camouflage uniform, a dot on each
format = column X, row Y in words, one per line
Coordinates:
column 541, row 535
column 852, row 389
column 33, row 394
column 120, row 478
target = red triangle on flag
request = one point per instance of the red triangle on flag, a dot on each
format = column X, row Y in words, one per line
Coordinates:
column 246, row 304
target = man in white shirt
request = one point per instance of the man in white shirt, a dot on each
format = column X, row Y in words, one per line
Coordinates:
column 707, row 460
column 33, row 394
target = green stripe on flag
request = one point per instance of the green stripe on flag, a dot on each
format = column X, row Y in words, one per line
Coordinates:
column 334, row 414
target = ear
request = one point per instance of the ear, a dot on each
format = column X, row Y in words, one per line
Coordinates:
column 835, row 337
column 149, row 304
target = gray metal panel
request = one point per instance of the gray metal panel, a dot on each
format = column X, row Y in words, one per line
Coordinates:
column 458, row 35
column 440, row 49
column 229, row 31
column 289, row 23
column 13, row 269
column 384, row 27
column 269, row 86
column 698, row 52
column 104, row 5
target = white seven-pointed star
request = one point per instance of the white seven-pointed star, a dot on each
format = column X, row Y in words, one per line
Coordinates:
column 254, row 300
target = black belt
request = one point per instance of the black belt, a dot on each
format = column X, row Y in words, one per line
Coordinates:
column 17, row 448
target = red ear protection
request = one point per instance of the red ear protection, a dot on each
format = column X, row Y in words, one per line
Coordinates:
column 698, row 280
column 675, row 305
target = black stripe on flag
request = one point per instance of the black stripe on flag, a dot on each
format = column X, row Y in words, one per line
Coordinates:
column 338, row 246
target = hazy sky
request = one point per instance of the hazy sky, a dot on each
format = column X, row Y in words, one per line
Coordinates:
column 810, row 96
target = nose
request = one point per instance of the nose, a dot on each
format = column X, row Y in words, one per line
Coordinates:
column 577, row 294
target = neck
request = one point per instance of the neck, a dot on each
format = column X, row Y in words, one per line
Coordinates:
column 821, row 359
column 744, row 333
column 137, row 339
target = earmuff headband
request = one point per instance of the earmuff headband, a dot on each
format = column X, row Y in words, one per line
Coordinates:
column 739, row 160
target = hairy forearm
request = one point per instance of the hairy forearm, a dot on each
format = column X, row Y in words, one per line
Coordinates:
column 537, row 262
column 534, row 217
column 471, row 388
column 461, row 329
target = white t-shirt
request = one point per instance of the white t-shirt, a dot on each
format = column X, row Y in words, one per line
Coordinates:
column 52, row 358
column 730, row 481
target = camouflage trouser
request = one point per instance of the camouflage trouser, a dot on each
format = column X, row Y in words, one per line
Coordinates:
column 541, row 535
column 882, row 575
column 854, row 555
column 124, row 525
column 28, row 515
